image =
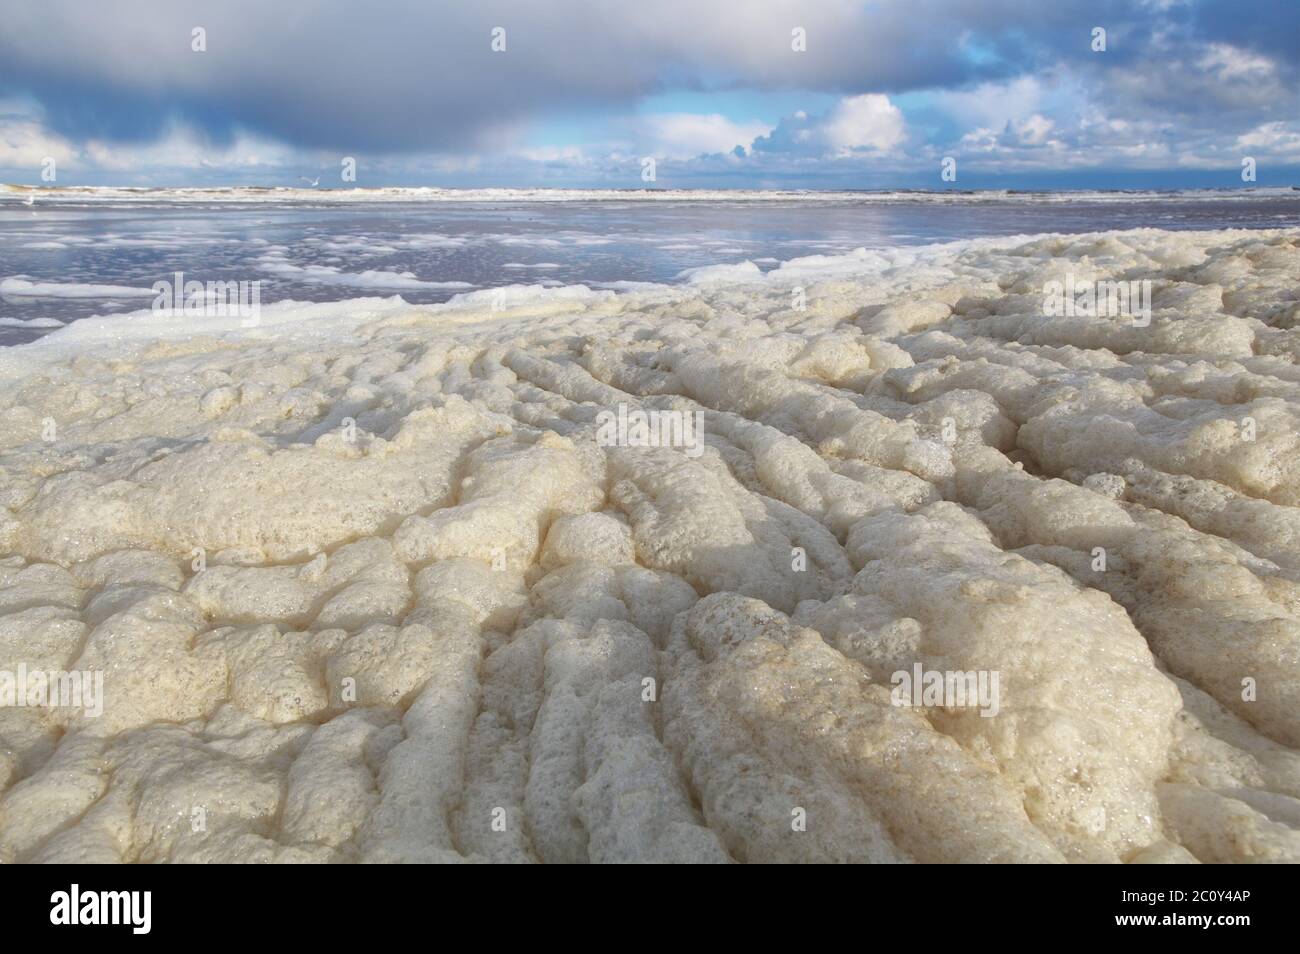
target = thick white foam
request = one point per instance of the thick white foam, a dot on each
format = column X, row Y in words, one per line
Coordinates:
column 18, row 286
column 370, row 578
column 30, row 322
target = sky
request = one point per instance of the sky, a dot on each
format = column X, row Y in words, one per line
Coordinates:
column 813, row 94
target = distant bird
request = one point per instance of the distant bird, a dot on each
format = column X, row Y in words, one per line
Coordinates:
column 312, row 182
column 30, row 200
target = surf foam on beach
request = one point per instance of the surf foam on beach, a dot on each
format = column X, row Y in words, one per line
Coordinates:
column 368, row 582
column 422, row 194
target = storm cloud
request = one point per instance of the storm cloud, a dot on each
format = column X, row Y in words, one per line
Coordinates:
column 415, row 77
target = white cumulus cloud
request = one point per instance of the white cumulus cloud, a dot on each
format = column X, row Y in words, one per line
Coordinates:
column 684, row 135
column 869, row 121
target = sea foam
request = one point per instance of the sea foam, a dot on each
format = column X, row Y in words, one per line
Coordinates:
column 366, row 583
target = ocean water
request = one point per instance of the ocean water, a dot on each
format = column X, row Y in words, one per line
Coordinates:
column 72, row 253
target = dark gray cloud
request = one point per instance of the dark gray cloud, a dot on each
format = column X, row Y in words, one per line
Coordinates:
column 411, row 75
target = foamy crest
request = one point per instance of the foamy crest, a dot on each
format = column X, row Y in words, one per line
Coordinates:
column 17, row 194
